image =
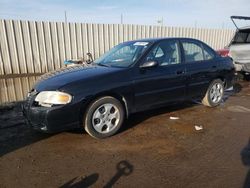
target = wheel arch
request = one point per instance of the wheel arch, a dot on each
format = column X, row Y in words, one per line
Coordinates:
column 85, row 103
column 223, row 79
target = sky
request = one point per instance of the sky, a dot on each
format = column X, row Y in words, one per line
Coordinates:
column 180, row 13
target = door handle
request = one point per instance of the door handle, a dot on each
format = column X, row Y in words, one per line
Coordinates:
column 214, row 67
column 180, row 72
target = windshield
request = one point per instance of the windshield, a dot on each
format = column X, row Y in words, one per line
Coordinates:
column 123, row 55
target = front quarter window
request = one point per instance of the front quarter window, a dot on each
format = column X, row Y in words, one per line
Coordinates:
column 123, row 55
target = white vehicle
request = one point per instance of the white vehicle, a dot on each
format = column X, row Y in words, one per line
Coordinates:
column 239, row 48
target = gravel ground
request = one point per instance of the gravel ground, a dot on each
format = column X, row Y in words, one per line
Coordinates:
column 151, row 151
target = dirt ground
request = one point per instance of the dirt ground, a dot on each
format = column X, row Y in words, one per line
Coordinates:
column 151, row 151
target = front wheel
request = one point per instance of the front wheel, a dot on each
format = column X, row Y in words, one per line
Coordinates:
column 104, row 117
column 214, row 94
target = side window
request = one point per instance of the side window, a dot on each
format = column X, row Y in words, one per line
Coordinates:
column 165, row 53
column 192, row 52
column 208, row 54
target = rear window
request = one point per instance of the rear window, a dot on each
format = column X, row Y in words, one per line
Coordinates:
column 248, row 38
column 242, row 37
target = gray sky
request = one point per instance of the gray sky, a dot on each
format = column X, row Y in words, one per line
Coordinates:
column 209, row 14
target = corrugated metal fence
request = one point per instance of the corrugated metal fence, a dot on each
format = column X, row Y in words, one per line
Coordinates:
column 15, row 89
column 38, row 47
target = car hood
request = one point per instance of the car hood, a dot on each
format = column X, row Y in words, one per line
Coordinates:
column 57, row 79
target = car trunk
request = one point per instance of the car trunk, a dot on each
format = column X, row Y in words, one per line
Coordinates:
column 240, row 47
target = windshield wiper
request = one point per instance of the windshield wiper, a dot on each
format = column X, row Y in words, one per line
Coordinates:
column 104, row 65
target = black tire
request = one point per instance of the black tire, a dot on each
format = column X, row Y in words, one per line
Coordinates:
column 94, row 107
column 246, row 77
column 207, row 100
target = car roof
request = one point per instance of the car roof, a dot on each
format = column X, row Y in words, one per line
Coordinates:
column 154, row 40
column 160, row 39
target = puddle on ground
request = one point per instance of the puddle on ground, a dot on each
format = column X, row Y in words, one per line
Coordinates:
column 15, row 89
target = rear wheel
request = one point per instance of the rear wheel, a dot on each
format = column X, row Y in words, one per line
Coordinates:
column 214, row 94
column 104, row 117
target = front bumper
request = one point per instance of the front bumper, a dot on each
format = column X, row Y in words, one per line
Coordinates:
column 51, row 119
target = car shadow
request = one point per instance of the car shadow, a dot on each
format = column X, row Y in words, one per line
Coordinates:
column 237, row 87
column 14, row 133
column 245, row 157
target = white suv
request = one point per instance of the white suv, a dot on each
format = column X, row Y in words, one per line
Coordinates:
column 239, row 48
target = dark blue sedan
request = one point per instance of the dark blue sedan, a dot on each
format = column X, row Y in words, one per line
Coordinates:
column 133, row 76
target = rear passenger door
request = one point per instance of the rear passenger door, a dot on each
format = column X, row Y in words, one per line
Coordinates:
column 200, row 66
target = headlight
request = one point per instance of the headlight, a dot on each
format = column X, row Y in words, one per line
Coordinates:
column 48, row 98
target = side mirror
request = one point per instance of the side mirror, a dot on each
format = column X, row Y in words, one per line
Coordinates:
column 90, row 60
column 149, row 64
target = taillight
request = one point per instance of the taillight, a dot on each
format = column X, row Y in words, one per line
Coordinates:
column 223, row 52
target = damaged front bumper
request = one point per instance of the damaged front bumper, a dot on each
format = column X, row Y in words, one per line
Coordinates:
column 50, row 119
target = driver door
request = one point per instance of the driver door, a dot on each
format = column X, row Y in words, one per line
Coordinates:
column 165, row 83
